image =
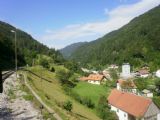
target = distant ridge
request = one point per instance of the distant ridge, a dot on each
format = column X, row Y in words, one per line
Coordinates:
column 138, row 43
column 68, row 50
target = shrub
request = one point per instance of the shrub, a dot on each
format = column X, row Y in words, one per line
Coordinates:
column 28, row 97
column 68, row 105
column 113, row 74
column 82, row 100
column 157, row 83
column 156, row 100
column 104, row 110
column 88, row 102
column 141, row 83
column 76, row 97
column 52, row 69
column 44, row 63
column 63, row 75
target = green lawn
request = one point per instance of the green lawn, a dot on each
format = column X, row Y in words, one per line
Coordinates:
column 57, row 95
column 92, row 91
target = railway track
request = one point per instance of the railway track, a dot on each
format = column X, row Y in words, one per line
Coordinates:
column 6, row 74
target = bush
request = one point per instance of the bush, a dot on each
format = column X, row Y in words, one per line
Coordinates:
column 156, row 100
column 112, row 83
column 63, row 75
column 44, row 63
column 52, row 69
column 157, row 83
column 68, row 105
column 113, row 74
column 141, row 83
column 76, row 97
column 82, row 100
column 88, row 102
column 104, row 110
column 28, row 97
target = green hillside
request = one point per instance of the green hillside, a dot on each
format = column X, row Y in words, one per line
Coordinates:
column 68, row 50
column 27, row 47
column 137, row 43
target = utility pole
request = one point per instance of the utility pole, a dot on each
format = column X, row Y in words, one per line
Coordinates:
column 15, row 37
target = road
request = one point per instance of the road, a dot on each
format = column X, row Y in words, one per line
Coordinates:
column 50, row 110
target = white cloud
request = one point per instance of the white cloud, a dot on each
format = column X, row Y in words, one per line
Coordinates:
column 116, row 19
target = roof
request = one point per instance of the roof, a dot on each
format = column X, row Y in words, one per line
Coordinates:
column 83, row 78
column 94, row 77
column 143, row 71
column 130, row 103
column 127, row 83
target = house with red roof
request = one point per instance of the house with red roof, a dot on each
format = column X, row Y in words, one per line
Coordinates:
column 126, row 85
column 144, row 73
column 94, row 79
column 129, row 106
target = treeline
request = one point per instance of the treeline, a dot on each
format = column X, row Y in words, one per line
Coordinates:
column 27, row 48
column 137, row 43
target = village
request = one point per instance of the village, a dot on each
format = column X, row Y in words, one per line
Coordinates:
column 125, row 99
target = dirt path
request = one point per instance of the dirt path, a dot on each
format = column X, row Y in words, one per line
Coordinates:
column 55, row 115
column 12, row 104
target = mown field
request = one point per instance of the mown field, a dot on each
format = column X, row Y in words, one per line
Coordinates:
column 53, row 94
column 91, row 91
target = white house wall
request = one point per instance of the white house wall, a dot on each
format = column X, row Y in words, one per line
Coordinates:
column 94, row 82
column 158, row 116
column 144, row 76
column 121, row 114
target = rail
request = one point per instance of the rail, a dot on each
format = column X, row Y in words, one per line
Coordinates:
column 7, row 74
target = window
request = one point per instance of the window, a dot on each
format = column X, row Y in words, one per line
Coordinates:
column 117, row 110
column 124, row 115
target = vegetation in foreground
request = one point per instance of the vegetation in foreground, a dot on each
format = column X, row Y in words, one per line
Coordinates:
column 54, row 95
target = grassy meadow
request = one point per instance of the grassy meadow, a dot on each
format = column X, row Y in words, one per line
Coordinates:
column 54, row 96
column 91, row 91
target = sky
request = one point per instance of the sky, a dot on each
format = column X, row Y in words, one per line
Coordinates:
column 58, row 23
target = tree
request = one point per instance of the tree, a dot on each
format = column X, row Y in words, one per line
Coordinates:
column 157, row 83
column 104, row 110
column 71, row 65
column 63, row 75
column 52, row 69
column 68, row 105
column 141, row 83
column 88, row 102
column 44, row 63
column 113, row 74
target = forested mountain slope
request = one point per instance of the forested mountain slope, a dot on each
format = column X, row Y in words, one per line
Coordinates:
column 137, row 43
column 68, row 50
column 27, row 47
